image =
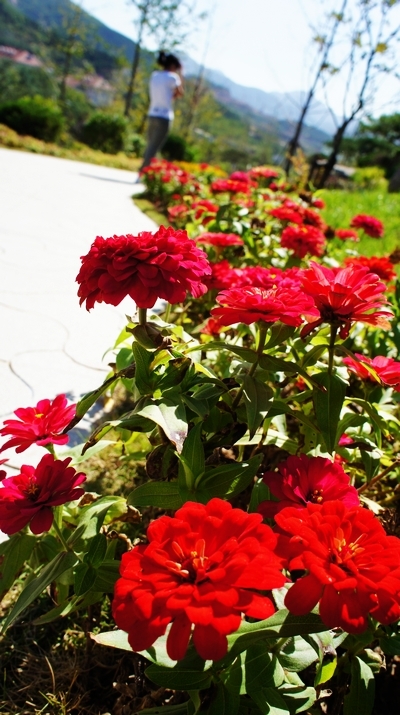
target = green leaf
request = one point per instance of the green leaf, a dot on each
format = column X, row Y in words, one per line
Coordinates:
column 298, row 697
column 106, row 576
column 97, row 551
column 143, row 377
column 262, row 668
column 379, row 423
column 224, row 702
column 90, row 398
column 244, row 353
column 85, row 576
column 170, row 417
column 51, row 572
column 362, row 689
column 112, row 639
column 93, row 515
column 230, row 479
column 164, row 495
column 328, row 405
column 257, row 399
column 325, row 670
column 179, row 677
column 76, row 452
column 274, row 364
column 279, row 333
column 269, row 701
column 14, row 553
column 193, row 453
column 297, row 654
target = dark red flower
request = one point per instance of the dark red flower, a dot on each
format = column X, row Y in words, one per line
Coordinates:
column 369, row 224
column 312, row 218
column 220, row 239
column 302, row 240
column 376, row 264
column 304, row 479
column 352, row 567
column 28, row 497
column 285, row 213
column 346, row 234
column 165, row 264
column 204, row 567
column 224, row 276
column 344, row 296
column 318, row 203
column 40, row 425
column 248, row 305
column 385, row 371
column 3, row 472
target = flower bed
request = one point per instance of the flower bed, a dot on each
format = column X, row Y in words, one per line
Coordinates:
column 264, row 401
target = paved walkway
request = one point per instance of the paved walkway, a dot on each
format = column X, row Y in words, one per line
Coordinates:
column 50, row 212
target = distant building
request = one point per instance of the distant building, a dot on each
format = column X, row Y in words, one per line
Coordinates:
column 97, row 89
column 23, row 57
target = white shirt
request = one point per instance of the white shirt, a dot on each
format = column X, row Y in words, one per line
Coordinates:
column 162, row 87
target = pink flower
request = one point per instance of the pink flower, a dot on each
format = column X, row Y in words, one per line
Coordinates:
column 386, row 369
column 28, row 497
column 248, row 305
column 369, row 224
column 305, row 479
column 220, row 239
column 346, row 234
column 40, row 425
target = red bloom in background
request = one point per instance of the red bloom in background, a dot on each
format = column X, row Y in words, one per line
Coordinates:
column 28, row 497
column 344, row 296
column 204, row 209
column 179, row 210
column 204, row 567
column 165, row 264
column 212, row 327
column 386, row 369
column 305, row 479
column 263, row 172
column 376, row 264
column 285, row 213
column 248, row 305
column 303, row 239
column 40, row 425
column 312, row 218
column 347, row 234
column 318, row 203
column 352, row 566
column 240, row 176
column 369, row 224
column 220, row 239
column 230, row 185
column 224, row 276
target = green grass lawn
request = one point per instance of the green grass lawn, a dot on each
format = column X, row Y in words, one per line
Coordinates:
column 341, row 206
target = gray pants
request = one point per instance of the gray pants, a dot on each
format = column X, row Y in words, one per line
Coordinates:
column 157, row 132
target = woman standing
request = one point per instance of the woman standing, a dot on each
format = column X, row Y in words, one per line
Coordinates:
column 165, row 86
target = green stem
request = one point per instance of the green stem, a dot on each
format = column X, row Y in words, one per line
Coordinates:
column 59, row 533
column 142, row 316
column 332, row 348
column 261, row 336
column 50, row 448
column 167, row 313
column 376, row 479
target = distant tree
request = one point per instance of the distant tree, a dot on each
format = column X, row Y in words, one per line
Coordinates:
column 166, row 21
column 371, row 38
column 325, row 42
column 376, row 143
column 69, row 42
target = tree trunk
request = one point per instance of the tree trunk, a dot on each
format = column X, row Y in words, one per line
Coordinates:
column 331, row 161
column 135, row 65
column 294, row 142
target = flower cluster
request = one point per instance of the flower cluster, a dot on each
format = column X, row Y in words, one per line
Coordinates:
column 202, row 569
column 303, row 239
column 380, row 265
column 165, row 264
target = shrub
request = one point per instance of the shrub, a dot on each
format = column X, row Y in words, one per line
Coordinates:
column 370, row 177
column 34, row 116
column 135, row 144
column 106, row 132
column 176, row 149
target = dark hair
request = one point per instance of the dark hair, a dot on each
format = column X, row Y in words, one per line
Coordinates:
column 168, row 61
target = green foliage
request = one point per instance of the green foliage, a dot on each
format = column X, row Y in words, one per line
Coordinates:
column 177, row 149
column 17, row 81
column 370, row 178
column 376, row 142
column 35, row 116
column 106, row 132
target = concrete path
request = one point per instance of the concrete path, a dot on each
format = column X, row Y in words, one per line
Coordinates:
column 50, row 212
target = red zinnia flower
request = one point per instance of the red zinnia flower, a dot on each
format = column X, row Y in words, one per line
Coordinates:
column 303, row 239
column 376, row 264
column 165, row 264
column 204, row 567
column 369, row 224
column 230, row 185
column 204, row 209
column 40, row 425
column 285, row 213
column 28, row 497
column 263, row 172
column 318, row 203
column 347, row 234
column 224, row 276
column 344, row 296
column 386, row 369
column 3, row 472
column 312, row 218
column 352, row 566
column 177, row 211
column 247, row 305
column 305, row 479
column 220, row 239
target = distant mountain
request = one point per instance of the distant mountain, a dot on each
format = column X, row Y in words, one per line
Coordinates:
column 284, row 106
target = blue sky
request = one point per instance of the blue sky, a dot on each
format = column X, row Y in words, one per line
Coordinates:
column 260, row 43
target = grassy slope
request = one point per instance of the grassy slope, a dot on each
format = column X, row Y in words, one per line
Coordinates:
column 341, row 206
